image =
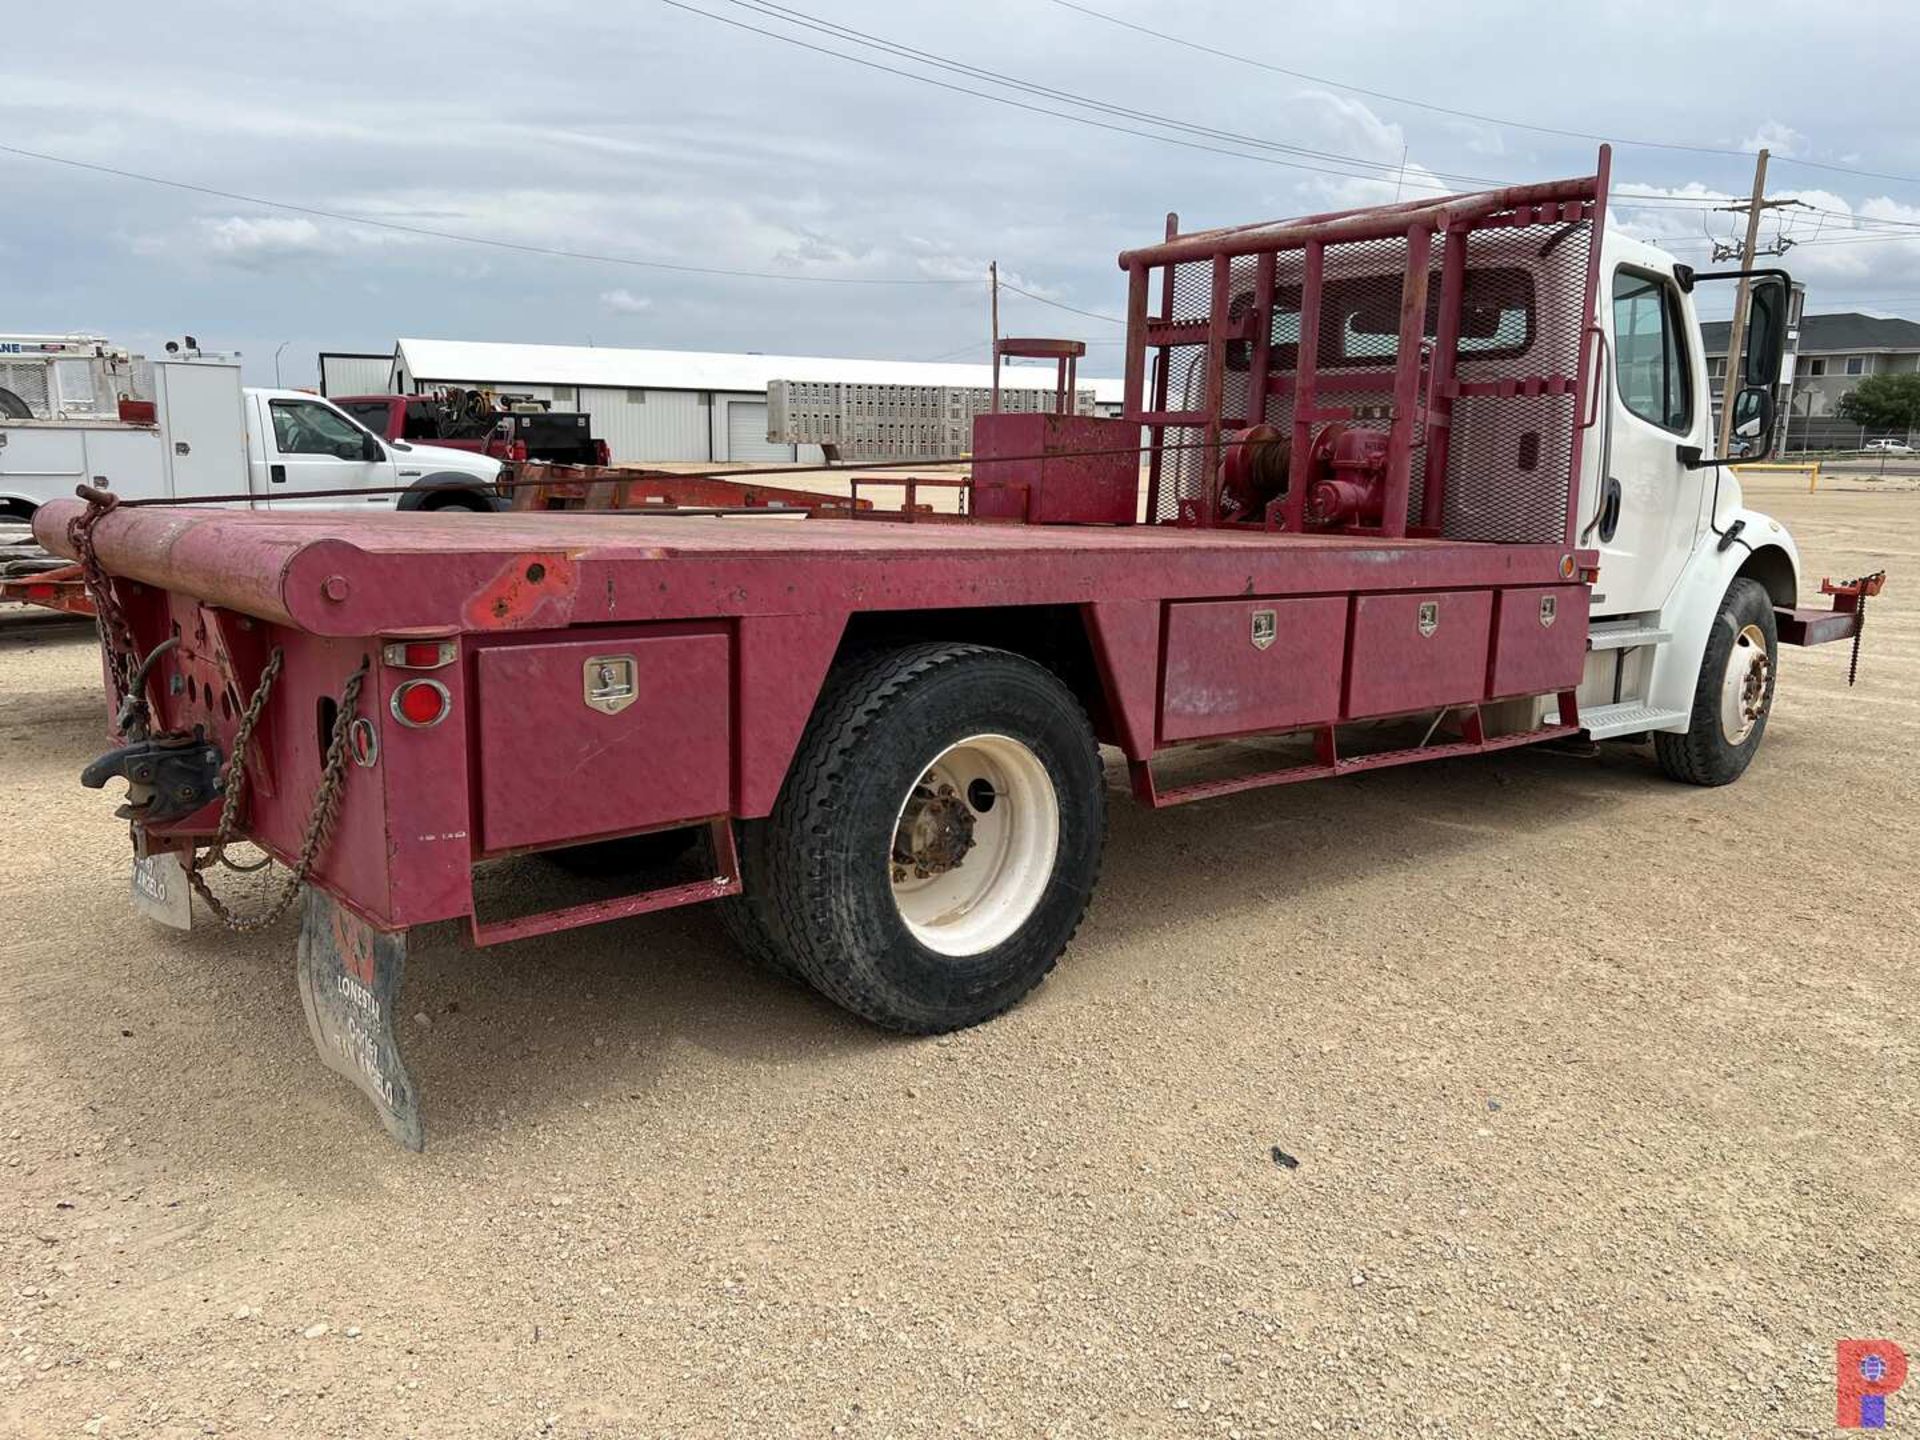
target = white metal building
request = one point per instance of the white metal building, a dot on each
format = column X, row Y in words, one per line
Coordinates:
column 353, row 372
column 655, row 405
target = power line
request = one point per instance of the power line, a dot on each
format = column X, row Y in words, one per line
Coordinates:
column 950, row 354
column 1059, row 305
column 788, row 15
column 464, row 239
column 1466, row 114
column 1023, row 105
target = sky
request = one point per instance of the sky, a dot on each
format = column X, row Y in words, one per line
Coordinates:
column 865, row 203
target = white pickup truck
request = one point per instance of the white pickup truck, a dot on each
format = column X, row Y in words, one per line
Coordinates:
column 210, row 438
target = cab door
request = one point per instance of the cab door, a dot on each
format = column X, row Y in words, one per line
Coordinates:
column 314, row 450
column 1649, row 517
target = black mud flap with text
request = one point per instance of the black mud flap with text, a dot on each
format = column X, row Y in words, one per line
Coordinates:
column 350, row 976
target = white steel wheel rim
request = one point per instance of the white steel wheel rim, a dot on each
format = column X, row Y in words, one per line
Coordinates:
column 1743, row 688
column 1012, row 818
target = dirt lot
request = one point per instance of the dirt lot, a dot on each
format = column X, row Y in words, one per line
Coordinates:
column 1604, row 1095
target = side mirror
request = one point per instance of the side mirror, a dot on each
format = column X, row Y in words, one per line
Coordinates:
column 370, row 449
column 1753, row 423
column 1766, row 333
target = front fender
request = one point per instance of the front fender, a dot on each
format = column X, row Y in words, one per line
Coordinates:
column 1773, row 560
column 423, row 490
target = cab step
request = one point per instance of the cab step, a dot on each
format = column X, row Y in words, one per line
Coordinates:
column 1629, row 717
column 1624, row 635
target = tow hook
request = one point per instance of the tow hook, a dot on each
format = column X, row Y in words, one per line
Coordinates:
column 167, row 778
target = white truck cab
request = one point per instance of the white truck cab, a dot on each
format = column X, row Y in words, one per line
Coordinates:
column 1682, row 558
column 303, row 452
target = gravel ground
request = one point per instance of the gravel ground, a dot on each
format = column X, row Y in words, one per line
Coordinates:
column 1530, row 1095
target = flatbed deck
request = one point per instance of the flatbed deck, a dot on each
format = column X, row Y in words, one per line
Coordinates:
column 348, row 575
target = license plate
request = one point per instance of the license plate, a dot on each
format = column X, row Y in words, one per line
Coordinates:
column 159, row 890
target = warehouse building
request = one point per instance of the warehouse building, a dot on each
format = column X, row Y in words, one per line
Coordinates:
column 354, row 372
column 663, row 405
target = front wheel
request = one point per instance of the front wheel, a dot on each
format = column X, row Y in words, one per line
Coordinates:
column 1734, row 694
column 937, row 840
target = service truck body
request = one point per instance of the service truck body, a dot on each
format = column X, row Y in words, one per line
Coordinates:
column 1421, row 481
column 482, row 425
column 211, row 439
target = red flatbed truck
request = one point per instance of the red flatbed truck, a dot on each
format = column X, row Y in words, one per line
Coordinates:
column 1414, row 489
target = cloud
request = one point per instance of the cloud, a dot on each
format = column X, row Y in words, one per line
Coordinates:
column 263, row 242
column 752, row 155
column 1781, row 139
column 1848, row 254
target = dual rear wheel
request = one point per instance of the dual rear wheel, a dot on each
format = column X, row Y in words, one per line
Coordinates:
column 936, row 842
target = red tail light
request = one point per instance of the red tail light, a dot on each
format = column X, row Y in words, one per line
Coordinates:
column 418, row 654
column 420, row 703
column 517, row 452
column 602, row 455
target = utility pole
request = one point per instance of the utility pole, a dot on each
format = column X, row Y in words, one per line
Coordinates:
column 1748, row 252
column 993, row 289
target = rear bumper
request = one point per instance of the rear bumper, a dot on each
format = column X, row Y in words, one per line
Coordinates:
column 1807, row 626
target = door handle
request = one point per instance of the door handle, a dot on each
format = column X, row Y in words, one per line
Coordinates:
column 277, row 474
column 1609, row 517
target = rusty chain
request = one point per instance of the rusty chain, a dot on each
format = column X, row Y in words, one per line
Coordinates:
column 326, row 800
column 116, row 637
column 1859, row 629
column 117, row 643
column 233, row 784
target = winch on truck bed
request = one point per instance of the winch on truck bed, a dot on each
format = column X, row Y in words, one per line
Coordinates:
column 1421, row 480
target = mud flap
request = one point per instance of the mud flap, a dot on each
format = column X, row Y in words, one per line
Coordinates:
column 350, row 976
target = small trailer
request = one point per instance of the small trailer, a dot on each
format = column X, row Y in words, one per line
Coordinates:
column 1423, row 480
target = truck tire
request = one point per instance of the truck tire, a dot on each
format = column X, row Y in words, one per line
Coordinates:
column 744, row 916
column 1734, row 694
column 460, row 500
column 937, row 839
column 446, row 491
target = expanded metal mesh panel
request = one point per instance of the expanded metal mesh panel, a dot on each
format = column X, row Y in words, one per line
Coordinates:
column 1357, row 357
column 1507, row 469
column 1192, row 291
column 1518, row 319
column 28, row 380
column 1183, row 464
column 1182, row 469
column 1522, row 324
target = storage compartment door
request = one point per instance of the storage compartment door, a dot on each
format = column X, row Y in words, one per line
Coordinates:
column 1539, row 640
column 203, row 423
column 1418, row 651
column 594, row 737
column 1238, row 667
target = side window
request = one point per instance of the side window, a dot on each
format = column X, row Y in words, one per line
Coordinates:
column 301, row 427
column 1649, row 358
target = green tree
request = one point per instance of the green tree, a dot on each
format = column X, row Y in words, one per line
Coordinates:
column 1884, row 402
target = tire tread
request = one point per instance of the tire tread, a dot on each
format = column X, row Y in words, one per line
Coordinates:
column 797, row 910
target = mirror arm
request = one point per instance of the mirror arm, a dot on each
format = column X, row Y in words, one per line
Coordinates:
column 1690, row 456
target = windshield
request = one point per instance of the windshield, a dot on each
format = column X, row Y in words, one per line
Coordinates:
column 370, row 413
